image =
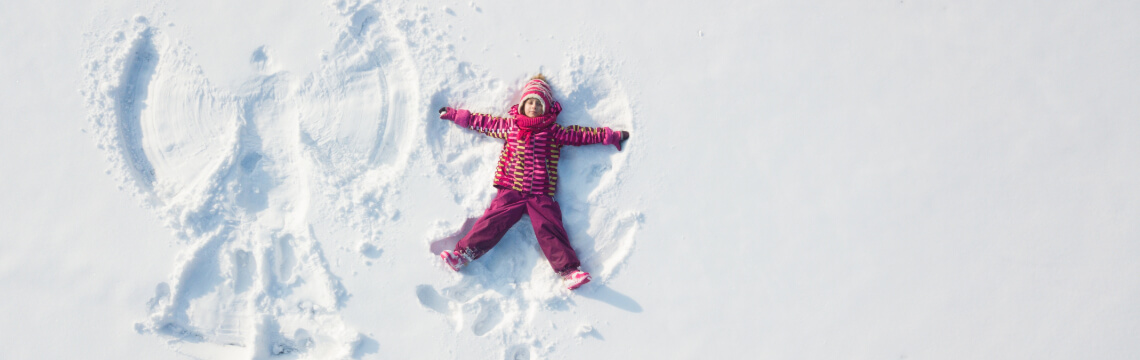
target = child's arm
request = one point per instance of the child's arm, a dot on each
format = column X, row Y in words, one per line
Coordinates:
column 579, row 135
column 488, row 125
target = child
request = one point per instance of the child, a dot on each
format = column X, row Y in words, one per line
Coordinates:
column 527, row 176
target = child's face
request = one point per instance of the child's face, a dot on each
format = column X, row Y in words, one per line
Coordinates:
column 531, row 108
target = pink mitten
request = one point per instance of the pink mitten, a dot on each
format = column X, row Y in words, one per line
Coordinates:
column 460, row 117
column 616, row 138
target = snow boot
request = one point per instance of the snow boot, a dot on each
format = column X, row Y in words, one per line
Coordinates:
column 575, row 279
column 454, row 259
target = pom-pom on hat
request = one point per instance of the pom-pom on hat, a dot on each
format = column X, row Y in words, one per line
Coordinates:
column 537, row 88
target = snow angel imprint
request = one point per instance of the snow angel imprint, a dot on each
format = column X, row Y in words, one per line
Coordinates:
column 527, row 177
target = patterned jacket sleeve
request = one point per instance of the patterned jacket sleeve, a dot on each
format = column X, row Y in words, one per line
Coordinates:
column 496, row 127
column 580, row 135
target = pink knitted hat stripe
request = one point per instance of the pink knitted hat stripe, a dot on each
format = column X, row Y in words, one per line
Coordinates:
column 538, row 89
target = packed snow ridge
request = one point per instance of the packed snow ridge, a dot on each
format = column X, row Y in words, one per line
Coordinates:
column 244, row 177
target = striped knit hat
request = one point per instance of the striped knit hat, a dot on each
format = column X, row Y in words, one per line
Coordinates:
column 537, row 88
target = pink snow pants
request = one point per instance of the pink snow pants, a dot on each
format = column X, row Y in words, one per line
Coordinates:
column 507, row 208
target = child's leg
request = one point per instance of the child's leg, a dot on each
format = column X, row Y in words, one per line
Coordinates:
column 546, row 217
column 507, row 208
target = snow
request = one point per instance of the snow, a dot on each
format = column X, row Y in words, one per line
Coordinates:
column 816, row 180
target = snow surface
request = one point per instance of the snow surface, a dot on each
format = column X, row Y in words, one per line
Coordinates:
column 809, row 180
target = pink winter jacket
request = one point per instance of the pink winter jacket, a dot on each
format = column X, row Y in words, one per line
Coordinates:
column 531, row 165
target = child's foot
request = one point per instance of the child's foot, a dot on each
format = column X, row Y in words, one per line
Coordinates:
column 454, row 259
column 575, row 279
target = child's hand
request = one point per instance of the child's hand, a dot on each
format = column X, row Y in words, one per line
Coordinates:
column 616, row 138
column 459, row 116
column 447, row 113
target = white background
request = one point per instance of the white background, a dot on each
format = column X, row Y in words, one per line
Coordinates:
column 818, row 180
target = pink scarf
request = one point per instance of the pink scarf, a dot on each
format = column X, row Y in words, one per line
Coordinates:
column 529, row 125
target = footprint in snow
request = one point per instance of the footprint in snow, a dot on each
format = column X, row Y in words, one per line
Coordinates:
column 463, row 309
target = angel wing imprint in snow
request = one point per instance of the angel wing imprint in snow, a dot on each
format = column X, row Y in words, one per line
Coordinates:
column 229, row 173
